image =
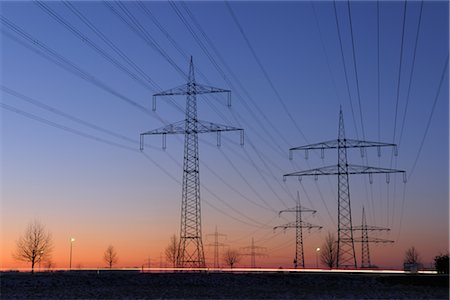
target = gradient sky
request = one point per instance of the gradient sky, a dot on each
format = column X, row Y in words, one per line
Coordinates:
column 104, row 194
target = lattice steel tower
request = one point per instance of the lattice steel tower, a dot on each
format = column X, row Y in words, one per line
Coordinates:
column 216, row 244
column 365, row 240
column 190, row 251
column 299, row 224
column 253, row 253
column 346, row 257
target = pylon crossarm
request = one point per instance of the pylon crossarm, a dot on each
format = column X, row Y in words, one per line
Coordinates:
column 284, row 227
column 349, row 143
column 180, row 127
column 309, row 225
column 179, row 90
column 204, row 126
column 294, row 225
column 357, row 169
column 174, row 128
column 204, row 89
column 373, row 240
column 187, row 89
column 371, row 228
column 295, row 209
column 352, row 169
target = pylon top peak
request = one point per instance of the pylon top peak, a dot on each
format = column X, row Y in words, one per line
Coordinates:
column 191, row 70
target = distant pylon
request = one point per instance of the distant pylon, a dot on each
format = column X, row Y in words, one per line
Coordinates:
column 299, row 224
column 365, row 240
column 216, row 246
column 253, row 253
column 346, row 257
column 190, row 249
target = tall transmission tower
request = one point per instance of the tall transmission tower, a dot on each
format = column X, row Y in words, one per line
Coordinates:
column 190, row 249
column 299, row 224
column 253, row 253
column 216, row 246
column 365, row 240
column 346, row 257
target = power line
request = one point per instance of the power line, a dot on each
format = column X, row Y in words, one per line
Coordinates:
column 345, row 68
column 67, row 116
column 143, row 36
column 43, row 50
column 378, row 73
column 412, row 72
column 266, row 75
column 429, row 118
column 65, row 128
column 399, row 74
column 322, row 42
column 356, row 70
column 230, row 71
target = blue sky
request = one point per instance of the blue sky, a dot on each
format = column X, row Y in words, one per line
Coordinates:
column 79, row 186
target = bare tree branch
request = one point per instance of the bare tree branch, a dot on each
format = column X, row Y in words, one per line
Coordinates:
column 110, row 256
column 231, row 257
column 172, row 250
column 328, row 253
column 35, row 245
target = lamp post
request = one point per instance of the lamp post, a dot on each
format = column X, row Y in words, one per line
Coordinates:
column 70, row 261
column 40, row 258
column 317, row 257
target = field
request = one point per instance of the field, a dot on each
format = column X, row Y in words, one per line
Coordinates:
column 131, row 285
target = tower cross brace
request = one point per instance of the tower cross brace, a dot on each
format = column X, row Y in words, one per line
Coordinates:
column 253, row 253
column 216, row 244
column 299, row 224
column 190, row 249
column 365, row 240
column 346, row 257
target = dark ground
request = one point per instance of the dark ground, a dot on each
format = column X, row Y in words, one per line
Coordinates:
column 134, row 285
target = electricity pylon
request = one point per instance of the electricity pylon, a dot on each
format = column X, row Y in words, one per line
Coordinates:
column 346, row 257
column 190, row 249
column 253, row 253
column 365, row 240
column 299, row 224
column 216, row 246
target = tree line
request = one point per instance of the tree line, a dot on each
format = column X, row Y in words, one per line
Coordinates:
column 35, row 246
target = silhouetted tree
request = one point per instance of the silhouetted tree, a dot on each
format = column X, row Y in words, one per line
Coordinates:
column 411, row 256
column 231, row 257
column 35, row 245
column 110, row 256
column 441, row 263
column 48, row 264
column 328, row 253
column 172, row 250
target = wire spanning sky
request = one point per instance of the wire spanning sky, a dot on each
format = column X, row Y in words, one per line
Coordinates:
column 76, row 88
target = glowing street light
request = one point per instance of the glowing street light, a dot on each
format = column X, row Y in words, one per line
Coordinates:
column 70, row 261
column 317, row 257
column 40, row 258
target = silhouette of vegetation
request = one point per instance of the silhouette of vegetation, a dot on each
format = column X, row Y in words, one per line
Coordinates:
column 110, row 256
column 328, row 253
column 35, row 245
column 48, row 264
column 172, row 251
column 441, row 263
column 231, row 257
column 412, row 256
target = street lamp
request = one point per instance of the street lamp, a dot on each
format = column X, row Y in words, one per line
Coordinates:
column 70, row 261
column 317, row 257
column 40, row 258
